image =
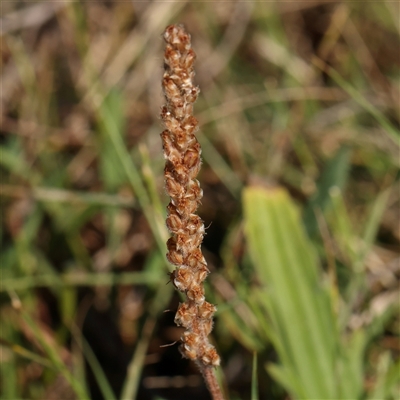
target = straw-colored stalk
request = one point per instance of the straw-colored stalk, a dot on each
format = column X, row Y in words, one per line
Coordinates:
column 182, row 154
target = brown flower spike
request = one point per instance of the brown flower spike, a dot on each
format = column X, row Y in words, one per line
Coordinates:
column 182, row 152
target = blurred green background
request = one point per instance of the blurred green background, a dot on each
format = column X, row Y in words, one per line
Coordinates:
column 299, row 117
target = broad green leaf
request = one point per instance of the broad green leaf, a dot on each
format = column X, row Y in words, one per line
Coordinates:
column 298, row 304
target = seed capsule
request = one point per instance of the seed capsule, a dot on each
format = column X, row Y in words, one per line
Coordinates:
column 207, row 310
column 188, row 352
column 173, row 255
column 173, row 187
column 195, row 225
column 174, row 223
column 185, row 315
column 196, row 294
column 211, row 357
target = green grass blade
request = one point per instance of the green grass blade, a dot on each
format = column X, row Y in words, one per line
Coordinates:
column 254, row 379
column 360, row 99
column 334, row 175
column 55, row 358
column 110, row 128
column 79, row 278
column 98, row 371
column 373, row 221
column 135, row 367
column 351, row 367
column 25, row 353
column 388, row 376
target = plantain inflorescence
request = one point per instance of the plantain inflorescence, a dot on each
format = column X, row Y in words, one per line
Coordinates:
column 182, row 153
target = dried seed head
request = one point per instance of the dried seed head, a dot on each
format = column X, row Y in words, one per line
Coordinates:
column 190, row 125
column 188, row 352
column 182, row 278
column 190, row 344
column 191, row 158
column 195, row 259
column 207, row 326
column 190, row 338
column 201, row 273
column 195, row 225
column 182, row 153
column 189, row 59
column 196, row 294
column 207, row 310
column 180, row 173
column 174, row 223
column 173, row 187
column 184, row 207
column 171, row 153
column 185, row 315
column 173, row 255
column 211, row 357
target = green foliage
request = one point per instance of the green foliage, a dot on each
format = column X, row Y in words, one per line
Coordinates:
column 317, row 359
column 335, row 175
column 299, row 308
